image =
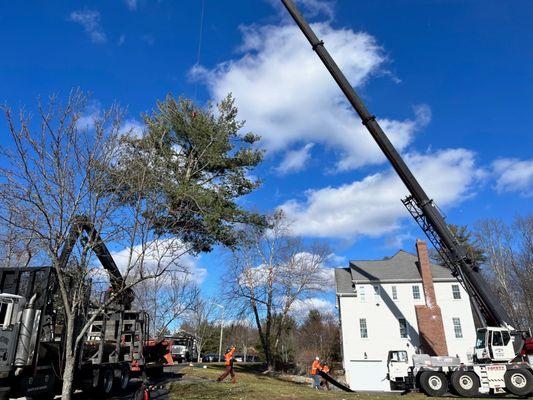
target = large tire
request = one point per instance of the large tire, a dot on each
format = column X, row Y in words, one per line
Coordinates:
column 519, row 381
column 105, row 381
column 122, row 382
column 433, row 383
column 465, row 383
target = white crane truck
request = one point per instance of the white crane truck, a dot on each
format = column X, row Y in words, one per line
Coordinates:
column 503, row 356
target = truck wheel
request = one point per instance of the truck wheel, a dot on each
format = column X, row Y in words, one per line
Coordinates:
column 465, row 383
column 519, row 381
column 105, row 384
column 121, row 383
column 433, row 383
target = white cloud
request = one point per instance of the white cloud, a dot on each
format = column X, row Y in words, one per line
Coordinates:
column 132, row 127
column 295, row 160
column 88, row 120
column 372, row 206
column 131, row 4
column 158, row 255
column 513, row 175
column 302, row 307
column 90, row 21
column 287, row 96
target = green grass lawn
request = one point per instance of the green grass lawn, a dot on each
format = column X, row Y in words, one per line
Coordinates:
column 252, row 385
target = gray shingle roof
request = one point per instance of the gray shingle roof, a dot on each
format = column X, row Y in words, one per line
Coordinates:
column 399, row 268
column 343, row 280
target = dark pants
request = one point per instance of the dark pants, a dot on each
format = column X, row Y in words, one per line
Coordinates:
column 228, row 371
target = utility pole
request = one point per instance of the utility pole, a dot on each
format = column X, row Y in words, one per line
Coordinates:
column 221, row 331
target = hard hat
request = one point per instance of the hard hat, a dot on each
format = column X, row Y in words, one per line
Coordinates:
column 317, row 358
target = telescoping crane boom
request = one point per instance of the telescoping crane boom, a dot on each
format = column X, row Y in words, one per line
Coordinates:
column 499, row 363
column 421, row 207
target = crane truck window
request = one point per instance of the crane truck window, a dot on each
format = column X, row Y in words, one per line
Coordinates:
column 497, row 339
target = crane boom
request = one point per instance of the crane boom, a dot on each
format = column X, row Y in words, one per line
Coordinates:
column 82, row 224
column 421, row 207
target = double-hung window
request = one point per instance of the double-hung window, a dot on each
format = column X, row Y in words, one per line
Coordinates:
column 457, row 329
column 416, row 292
column 403, row 328
column 377, row 295
column 363, row 329
column 456, row 292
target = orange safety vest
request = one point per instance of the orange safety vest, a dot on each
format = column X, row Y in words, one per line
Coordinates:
column 228, row 356
column 315, row 367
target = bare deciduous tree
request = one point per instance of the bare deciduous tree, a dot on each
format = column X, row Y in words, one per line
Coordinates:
column 55, row 169
column 509, row 265
column 169, row 297
column 269, row 272
column 197, row 322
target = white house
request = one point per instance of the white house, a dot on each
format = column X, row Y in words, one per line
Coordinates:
column 400, row 303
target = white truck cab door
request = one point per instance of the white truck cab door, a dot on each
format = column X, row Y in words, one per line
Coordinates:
column 397, row 365
column 501, row 346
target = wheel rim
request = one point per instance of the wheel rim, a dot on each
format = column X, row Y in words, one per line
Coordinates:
column 466, row 382
column 435, row 382
column 518, row 380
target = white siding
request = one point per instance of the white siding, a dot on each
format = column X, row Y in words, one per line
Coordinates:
column 460, row 308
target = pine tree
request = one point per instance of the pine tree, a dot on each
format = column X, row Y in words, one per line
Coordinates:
column 199, row 165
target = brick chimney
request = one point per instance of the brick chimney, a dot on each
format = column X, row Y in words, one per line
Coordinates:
column 429, row 316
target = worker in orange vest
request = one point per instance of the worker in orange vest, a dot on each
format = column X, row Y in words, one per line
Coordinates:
column 314, row 372
column 228, row 358
column 324, row 382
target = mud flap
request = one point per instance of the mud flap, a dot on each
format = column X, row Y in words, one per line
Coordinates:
column 334, row 382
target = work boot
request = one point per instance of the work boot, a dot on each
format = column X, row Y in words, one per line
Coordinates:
column 233, row 380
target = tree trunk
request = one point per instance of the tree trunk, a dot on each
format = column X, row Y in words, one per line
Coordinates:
column 68, row 377
column 70, row 361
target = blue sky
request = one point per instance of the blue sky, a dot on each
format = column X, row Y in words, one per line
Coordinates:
column 451, row 81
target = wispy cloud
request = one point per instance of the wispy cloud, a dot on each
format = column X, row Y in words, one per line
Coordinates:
column 90, row 21
column 295, row 160
column 148, row 39
column 132, row 127
column 310, row 8
column 513, row 175
column 131, row 4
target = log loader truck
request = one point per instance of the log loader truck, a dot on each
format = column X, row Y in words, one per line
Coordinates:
column 32, row 329
column 503, row 356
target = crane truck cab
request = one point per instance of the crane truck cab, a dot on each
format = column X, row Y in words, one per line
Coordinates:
column 496, row 345
column 398, row 370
